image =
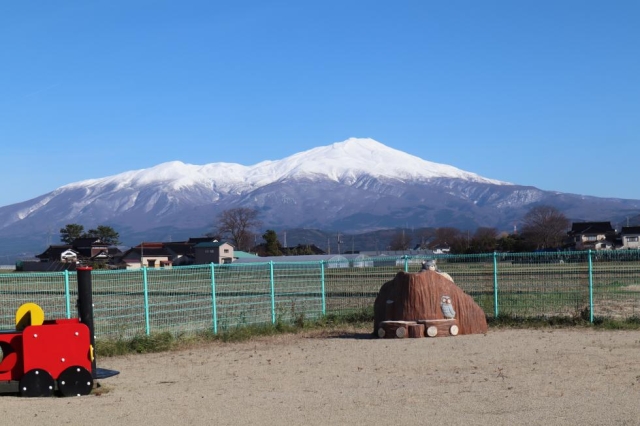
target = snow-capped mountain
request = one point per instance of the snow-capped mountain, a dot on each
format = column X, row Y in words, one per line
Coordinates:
column 355, row 185
column 342, row 162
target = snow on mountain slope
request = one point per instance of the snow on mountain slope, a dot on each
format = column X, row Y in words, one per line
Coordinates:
column 353, row 157
column 341, row 161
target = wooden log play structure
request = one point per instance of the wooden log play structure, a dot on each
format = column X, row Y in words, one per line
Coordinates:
column 440, row 327
column 428, row 299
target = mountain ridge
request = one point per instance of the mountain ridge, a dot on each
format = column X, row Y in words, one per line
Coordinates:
column 356, row 185
column 340, row 161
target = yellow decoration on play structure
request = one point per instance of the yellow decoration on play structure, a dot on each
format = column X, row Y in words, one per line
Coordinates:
column 91, row 356
column 29, row 314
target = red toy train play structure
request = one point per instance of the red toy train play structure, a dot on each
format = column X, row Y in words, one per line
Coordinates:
column 44, row 357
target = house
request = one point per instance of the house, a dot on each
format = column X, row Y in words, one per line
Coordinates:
column 149, row 254
column 592, row 235
column 81, row 250
column 441, row 249
column 182, row 253
column 58, row 253
column 213, row 252
column 90, row 248
column 630, row 236
column 332, row 260
column 604, row 245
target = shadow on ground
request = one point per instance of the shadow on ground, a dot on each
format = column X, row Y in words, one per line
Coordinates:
column 355, row 336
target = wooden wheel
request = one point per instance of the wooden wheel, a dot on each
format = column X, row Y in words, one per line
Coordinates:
column 432, row 331
column 454, row 330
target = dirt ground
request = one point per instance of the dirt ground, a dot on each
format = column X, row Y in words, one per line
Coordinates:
column 506, row 377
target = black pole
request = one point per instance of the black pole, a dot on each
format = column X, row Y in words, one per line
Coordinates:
column 85, row 308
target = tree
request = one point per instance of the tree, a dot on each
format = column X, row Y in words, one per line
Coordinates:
column 214, row 236
column 445, row 236
column 484, row 240
column 106, row 234
column 545, row 226
column 272, row 245
column 400, row 241
column 71, row 232
column 237, row 224
column 514, row 243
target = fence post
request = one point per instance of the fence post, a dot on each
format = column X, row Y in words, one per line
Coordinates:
column 273, row 293
column 147, row 327
column 213, row 300
column 406, row 263
column 85, row 307
column 495, row 285
column 324, row 296
column 590, row 288
column 67, row 294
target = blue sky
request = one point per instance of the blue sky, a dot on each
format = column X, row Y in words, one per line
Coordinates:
column 542, row 93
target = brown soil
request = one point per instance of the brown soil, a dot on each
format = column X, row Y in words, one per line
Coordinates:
column 506, row 377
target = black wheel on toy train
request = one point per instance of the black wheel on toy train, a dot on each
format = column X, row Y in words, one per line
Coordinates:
column 37, row 383
column 75, row 381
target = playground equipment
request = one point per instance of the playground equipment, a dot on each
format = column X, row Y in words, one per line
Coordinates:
column 41, row 357
column 425, row 304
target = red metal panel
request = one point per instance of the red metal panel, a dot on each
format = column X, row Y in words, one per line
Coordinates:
column 11, row 365
column 56, row 345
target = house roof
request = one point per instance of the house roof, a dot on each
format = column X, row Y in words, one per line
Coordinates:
column 88, row 242
column 147, row 252
column 150, row 244
column 212, row 244
column 301, row 258
column 180, row 248
column 197, row 240
column 239, row 254
column 102, row 254
column 591, row 228
column 630, row 230
column 114, row 251
column 54, row 251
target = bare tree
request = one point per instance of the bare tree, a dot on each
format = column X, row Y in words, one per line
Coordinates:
column 238, row 224
column 445, row 236
column 400, row 241
column 545, row 226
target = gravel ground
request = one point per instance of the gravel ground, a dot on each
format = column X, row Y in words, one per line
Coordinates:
column 506, row 377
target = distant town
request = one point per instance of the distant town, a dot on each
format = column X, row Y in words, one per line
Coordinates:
column 545, row 229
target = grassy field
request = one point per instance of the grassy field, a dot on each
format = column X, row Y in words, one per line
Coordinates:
column 181, row 300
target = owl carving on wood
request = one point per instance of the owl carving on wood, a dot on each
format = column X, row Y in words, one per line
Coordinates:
column 447, row 307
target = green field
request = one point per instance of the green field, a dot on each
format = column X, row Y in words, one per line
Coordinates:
column 181, row 300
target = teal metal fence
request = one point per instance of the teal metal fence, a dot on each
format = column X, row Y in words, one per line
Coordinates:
column 223, row 297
